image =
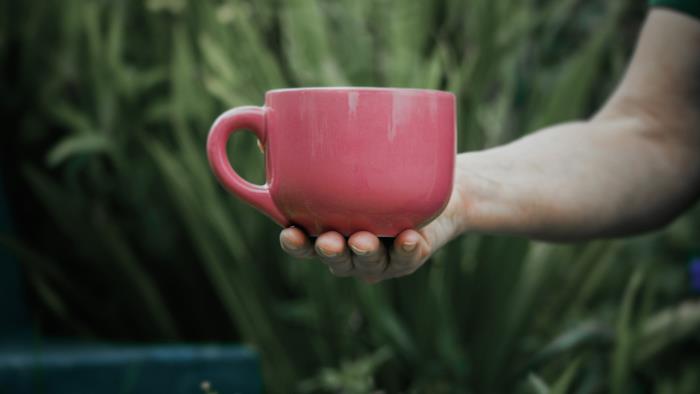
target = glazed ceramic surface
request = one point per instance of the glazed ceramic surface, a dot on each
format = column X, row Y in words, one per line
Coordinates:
column 346, row 159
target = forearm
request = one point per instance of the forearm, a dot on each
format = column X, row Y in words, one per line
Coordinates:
column 632, row 167
column 576, row 181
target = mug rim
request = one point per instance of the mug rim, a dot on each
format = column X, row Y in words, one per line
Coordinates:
column 361, row 89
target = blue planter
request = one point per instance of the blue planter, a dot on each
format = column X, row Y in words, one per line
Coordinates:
column 52, row 366
column 74, row 368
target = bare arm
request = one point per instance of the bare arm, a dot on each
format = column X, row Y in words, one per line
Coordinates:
column 632, row 167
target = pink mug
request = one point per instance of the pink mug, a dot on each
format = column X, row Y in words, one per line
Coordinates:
column 346, row 159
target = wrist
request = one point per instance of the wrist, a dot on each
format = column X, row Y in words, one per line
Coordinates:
column 486, row 204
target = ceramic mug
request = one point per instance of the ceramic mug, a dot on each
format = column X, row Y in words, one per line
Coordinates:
column 345, row 159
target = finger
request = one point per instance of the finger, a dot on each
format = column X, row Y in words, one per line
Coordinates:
column 296, row 243
column 331, row 249
column 369, row 255
column 407, row 254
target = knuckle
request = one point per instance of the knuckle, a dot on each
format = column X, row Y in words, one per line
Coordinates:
column 330, row 261
column 340, row 272
column 399, row 274
column 404, row 263
column 370, row 264
column 340, row 265
column 427, row 251
column 411, row 270
column 299, row 253
column 425, row 254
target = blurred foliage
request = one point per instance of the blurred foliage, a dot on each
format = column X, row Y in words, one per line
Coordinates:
column 126, row 235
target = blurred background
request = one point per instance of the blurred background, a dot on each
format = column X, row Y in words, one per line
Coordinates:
column 123, row 234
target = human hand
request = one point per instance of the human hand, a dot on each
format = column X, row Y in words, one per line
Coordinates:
column 363, row 255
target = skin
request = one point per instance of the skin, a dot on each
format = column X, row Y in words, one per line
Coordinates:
column 632, row 167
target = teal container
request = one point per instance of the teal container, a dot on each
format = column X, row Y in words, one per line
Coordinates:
column 49, row 366
column 75, row 368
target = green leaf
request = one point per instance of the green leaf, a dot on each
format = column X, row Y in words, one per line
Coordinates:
column 307, row 46
column 78, row 144
column 537, row 385
column 561, row 386
column 666, row 328
column 587, row 333
column 624, row 338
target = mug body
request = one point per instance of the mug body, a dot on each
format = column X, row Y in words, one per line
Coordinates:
column 351, row 159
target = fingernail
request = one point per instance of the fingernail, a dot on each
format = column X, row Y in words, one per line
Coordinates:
column 326, row 253
column 291, row 246
column 409, row 246
column 359, row 251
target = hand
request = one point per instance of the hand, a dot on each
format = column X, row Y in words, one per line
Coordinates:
column 365, row 256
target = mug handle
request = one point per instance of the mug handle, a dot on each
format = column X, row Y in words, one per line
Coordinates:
column 229, row 122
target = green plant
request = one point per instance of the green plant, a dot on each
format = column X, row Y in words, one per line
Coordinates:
column 141, row 243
